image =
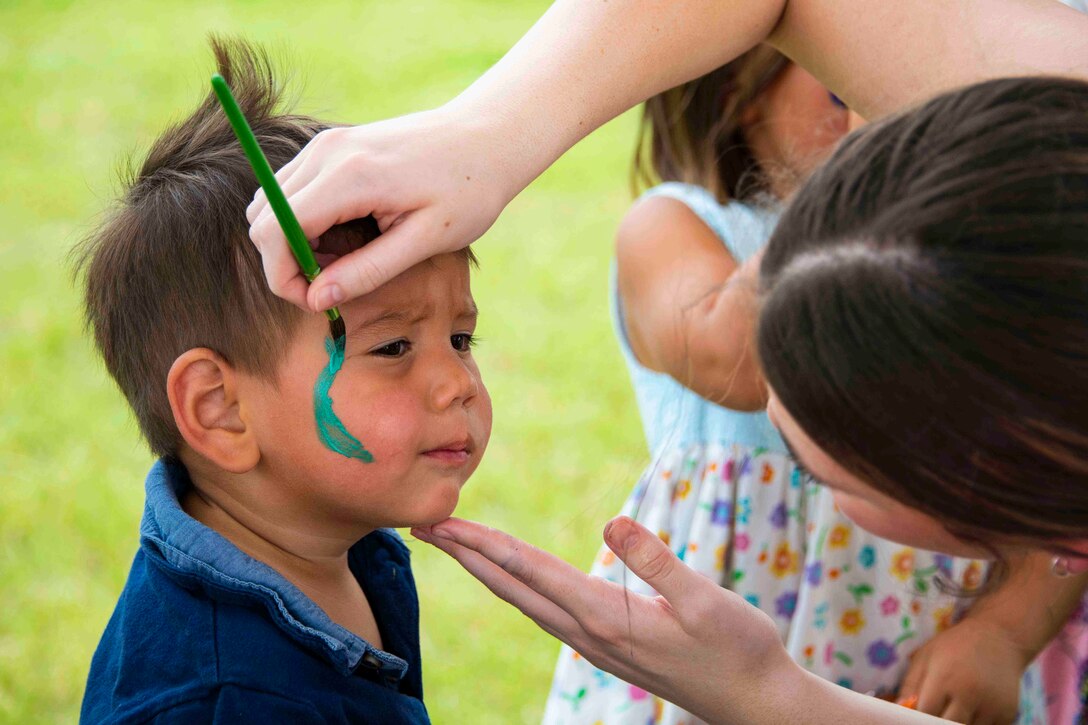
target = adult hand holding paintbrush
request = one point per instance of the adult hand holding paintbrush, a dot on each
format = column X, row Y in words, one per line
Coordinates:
column 336, row 242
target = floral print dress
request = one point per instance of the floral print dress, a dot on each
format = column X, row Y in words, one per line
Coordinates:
column 724, row 494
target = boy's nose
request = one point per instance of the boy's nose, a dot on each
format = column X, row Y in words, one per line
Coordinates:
column 453, row 382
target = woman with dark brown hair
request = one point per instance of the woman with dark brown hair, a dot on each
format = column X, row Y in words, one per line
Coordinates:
column 720, row 154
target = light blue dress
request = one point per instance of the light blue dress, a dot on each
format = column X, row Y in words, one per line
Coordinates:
column 673, row 415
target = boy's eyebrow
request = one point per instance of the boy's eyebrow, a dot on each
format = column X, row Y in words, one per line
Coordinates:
column 408, row 317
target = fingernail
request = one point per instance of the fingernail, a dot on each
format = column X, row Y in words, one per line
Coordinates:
column 422, row 534
column 620, row 531
column 330, row 296
column 441, row 534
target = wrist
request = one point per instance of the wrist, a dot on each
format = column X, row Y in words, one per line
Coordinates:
column 1025, row 645
column 780, row 691
column 514, row 144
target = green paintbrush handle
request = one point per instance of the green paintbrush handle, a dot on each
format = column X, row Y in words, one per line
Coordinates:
column 297, row 240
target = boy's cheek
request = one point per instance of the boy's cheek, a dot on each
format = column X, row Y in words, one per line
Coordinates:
column 485, row 416
column 388, row 420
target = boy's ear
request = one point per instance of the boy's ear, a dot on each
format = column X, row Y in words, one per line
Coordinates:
column 204, row 398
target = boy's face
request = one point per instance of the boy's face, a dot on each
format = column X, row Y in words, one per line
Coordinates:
column 409, row 391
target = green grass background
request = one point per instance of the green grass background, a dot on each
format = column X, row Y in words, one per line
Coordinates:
column 84, row 84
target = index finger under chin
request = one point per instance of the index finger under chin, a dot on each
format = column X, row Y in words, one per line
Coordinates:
column 580, row 595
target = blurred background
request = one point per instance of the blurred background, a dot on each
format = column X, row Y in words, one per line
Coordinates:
column 82, row 86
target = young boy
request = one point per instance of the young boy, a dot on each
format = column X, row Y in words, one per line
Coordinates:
column 268, row 586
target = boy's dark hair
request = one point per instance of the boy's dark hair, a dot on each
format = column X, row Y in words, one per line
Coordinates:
column 925, row 309
column 172, row 268
column 692, row 133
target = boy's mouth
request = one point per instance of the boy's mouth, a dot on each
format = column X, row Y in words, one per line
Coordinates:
column 452, row 453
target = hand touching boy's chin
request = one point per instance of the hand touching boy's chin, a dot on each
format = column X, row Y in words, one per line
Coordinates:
column 409, row 390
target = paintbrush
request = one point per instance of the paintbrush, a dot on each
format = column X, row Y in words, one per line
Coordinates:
column 296, row 239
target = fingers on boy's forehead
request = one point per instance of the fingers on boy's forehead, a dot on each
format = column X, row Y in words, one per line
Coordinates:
column 253, row 211
column 347, row 237
column 282, row 274
column 290, row 167
column 395, row 251
column 298, row 173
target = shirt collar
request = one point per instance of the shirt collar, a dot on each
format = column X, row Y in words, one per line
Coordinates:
column 198, row 556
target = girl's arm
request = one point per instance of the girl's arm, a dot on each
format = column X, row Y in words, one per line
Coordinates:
column 437, row 180
column 688, row 307
column 971, row 672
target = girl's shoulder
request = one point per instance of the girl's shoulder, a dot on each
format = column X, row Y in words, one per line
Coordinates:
column 743, row 226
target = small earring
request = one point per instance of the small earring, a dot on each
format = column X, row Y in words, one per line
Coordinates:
column 1059, row 567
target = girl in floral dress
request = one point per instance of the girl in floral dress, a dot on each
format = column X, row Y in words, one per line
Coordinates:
column 722, row 490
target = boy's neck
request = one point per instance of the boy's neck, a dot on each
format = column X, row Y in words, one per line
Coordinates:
column 286, row 539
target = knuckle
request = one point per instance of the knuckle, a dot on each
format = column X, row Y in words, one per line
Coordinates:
column 259, row 233
column 702, row 612
column 276, row 282
column 274, row 285
column 602, row 630
column 516, row 566
column 367, row 275
column 356, row 161
column 656, row 564
column 326, row 138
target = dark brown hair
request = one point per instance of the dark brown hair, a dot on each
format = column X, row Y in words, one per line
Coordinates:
column 172, row 268
column 692, row 133
column 925, row 309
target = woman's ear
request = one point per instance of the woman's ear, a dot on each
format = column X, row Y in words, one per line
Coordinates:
column 1073, row 564
column 751, row 114
column 204, row 398
column 854, row 121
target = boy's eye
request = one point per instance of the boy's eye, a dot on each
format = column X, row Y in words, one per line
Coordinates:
column 393, row 349
column 462, row 342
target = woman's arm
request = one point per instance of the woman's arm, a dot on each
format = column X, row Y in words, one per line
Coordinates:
column 881, row 56
column 437, row 180
column 689, row 309
column 697, row 645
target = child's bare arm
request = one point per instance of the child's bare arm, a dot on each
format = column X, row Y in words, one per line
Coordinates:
column 971, row 672
column 689, row 309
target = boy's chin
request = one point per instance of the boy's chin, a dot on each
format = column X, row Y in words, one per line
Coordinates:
column 435, row 508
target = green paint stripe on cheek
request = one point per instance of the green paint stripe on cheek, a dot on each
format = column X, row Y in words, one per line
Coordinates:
column 330, row 430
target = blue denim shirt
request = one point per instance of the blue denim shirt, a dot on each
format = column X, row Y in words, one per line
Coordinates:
column 204, row 633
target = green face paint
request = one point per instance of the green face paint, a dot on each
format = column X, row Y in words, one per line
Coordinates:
column 329, row 428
